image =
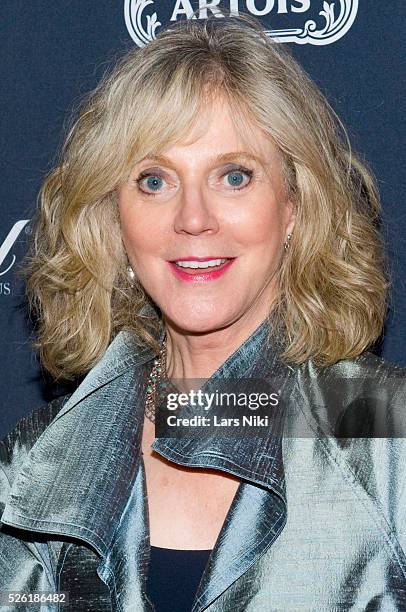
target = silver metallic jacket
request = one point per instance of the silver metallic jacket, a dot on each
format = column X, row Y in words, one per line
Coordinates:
column 318, row 522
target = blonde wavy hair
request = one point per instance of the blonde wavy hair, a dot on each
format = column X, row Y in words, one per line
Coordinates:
column 332, row 284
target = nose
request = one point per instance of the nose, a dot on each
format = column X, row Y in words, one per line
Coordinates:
column 194, row 214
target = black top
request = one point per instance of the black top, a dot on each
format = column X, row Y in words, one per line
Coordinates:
column 174, row 576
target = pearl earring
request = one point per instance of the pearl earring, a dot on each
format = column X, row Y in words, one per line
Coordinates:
column 130, row 274
column 287, row 242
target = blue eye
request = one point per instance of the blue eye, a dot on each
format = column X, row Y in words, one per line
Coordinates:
column 154, row 182
column 235, row 178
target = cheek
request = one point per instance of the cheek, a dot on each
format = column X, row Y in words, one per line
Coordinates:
column 139, row 231
column 261, row 224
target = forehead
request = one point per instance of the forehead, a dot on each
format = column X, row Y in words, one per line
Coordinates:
column 220, row 126
column 222, row 133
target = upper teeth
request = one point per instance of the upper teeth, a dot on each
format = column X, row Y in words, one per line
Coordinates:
column 200, row 264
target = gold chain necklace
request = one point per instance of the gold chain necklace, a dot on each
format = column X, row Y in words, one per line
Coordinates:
column 157, row 373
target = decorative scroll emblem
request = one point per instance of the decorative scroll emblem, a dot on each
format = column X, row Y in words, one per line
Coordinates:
column 133, row 13
column 338, row 18
column 331, row 23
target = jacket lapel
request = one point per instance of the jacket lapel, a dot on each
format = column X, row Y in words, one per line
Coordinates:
column 84, row 476
column 258, row 512
column 78, row 476
column 254, row 521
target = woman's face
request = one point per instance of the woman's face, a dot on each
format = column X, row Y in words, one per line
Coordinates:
column 204, row 225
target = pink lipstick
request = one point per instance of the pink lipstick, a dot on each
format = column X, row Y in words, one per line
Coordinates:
column 200, row 269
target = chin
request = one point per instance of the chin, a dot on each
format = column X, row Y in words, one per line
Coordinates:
column 197, row 322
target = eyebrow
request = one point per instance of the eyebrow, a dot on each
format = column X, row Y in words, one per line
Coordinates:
column 222, row 158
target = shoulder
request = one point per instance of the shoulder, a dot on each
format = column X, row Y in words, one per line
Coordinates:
column 360, row 397
column 357, row 407
column 366, row 364
column 16, row 445
column 369, row 365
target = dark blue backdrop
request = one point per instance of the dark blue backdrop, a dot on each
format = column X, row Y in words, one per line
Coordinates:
column 53, row 52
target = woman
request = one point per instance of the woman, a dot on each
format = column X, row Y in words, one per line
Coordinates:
column 208, row 221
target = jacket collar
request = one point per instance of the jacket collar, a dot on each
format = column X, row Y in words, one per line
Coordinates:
column 79, row 474
column 257, row 459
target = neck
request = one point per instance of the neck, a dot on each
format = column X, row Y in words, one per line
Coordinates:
column 199, row 355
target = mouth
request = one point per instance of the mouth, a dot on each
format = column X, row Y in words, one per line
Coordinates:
column 200, row 269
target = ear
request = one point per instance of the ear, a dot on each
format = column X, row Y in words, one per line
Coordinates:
column 290, row 217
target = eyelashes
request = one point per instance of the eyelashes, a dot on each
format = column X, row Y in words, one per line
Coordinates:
column 145, row 175
column 240, row 170
column 157, row 175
